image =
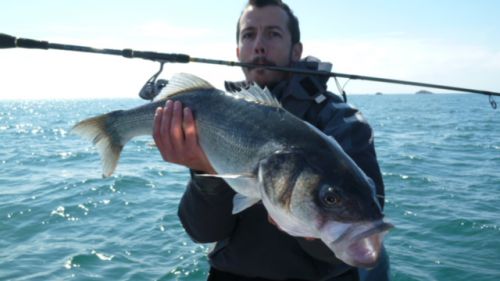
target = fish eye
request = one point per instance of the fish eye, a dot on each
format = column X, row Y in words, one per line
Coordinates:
column 329, row 196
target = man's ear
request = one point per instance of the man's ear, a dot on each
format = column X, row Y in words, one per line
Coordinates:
column 238, row 53
column 297, row 51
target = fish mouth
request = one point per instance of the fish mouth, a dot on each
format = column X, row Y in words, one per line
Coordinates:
column 360, row 231
column 359, row 244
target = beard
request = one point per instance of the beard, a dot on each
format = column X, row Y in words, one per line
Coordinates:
column 264, row 77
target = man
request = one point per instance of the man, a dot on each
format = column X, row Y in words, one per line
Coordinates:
column 249, row 246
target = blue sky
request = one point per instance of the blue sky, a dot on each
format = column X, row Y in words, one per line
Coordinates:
column 441, row 41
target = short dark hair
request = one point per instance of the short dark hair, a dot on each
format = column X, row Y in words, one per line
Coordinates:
column 293, row 21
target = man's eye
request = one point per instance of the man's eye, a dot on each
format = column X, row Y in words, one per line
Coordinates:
column 247, row 35
column 275, row 34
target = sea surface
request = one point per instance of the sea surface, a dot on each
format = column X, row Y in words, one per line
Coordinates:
column 60, row 220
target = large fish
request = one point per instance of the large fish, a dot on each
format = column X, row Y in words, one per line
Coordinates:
column 307, row 183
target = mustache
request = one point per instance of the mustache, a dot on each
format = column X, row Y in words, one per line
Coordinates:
column 260, row 61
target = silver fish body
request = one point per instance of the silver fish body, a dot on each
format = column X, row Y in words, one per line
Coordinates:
column 307, row 183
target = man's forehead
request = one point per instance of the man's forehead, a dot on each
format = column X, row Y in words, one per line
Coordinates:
column 268, row 16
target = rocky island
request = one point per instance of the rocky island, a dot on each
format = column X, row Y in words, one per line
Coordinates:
column 424, row 92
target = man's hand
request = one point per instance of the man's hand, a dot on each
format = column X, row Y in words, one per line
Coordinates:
column 175, row 135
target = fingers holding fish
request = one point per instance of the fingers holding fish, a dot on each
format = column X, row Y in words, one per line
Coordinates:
column 189, row 127
column 167, row 132
column 176, row 129
column 193, row 154
column 177, row 139
column 161, row 131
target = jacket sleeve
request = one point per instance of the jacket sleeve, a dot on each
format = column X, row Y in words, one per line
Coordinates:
column 205, row 209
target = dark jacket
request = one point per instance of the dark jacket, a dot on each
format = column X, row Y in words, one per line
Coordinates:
column 247, row 244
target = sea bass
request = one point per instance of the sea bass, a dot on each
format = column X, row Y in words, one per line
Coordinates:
column 306, row 182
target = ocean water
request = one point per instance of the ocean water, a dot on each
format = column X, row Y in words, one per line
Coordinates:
column 59, row 220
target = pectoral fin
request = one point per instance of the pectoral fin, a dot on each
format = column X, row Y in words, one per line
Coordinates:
column 242, row 202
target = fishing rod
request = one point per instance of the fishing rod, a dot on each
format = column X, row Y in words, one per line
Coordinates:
column 8, row 41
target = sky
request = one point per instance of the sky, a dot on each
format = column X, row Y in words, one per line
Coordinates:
column 450, row 42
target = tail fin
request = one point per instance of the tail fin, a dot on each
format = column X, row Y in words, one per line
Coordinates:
column 107, row 144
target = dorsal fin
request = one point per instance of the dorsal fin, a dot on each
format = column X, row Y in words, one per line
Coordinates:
column 256, row 94
column 183, row 82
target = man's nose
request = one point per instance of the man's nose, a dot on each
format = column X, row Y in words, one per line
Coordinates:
column 260, row 45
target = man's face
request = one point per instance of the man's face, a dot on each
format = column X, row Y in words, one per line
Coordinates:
column 265, row 39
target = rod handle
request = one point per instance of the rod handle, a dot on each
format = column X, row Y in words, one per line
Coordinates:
column 8, row 41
